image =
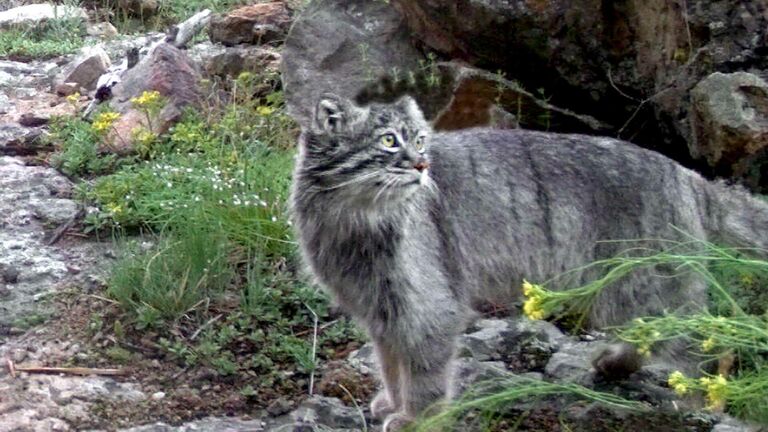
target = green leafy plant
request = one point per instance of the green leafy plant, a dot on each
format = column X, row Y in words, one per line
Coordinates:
column 55, row 37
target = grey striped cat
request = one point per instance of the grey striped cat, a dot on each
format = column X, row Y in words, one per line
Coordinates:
column 408, row 229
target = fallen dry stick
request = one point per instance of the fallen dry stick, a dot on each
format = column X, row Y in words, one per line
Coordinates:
column 12, row 368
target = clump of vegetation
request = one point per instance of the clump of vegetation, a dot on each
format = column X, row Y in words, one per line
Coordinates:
column 50, row 39
column 733, row 331
column 730, row 337
column 212, row 276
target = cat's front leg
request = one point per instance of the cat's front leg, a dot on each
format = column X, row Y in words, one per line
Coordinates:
column 388, row 400
column 425, row 380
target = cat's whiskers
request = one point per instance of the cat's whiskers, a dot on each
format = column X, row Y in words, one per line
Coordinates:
column 387, row 184
column 355, row 180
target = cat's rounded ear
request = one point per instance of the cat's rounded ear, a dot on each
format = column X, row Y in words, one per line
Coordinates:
column 335, row 114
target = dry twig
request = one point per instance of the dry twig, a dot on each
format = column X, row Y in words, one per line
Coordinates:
column 12, row 368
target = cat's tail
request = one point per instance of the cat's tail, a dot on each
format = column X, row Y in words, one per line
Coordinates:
column 736, row 218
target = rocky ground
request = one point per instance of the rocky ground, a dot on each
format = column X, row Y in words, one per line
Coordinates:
column 51, row 277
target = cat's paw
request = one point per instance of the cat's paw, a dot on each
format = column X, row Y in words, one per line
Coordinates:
column 396, row 422
column 382, row 405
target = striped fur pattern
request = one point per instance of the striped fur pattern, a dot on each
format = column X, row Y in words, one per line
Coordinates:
column 407, row 241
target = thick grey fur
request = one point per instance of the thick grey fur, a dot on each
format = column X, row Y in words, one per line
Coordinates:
column 407, row 254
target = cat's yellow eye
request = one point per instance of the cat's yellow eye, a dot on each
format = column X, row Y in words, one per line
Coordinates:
column 420, row 144
column 388, row 140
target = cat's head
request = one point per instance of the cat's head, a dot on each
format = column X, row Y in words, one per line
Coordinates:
column 368, row 156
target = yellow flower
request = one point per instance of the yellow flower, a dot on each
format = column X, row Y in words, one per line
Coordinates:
column 114, row 208
column 265, row 110
column 708, row 344
column 644, row 350
column 73, row 98
column 678, row 382
column 532, row 308
column 104, row 121
column 527, row 288
column 244, row 76
column 717, row 389
column 146, row 98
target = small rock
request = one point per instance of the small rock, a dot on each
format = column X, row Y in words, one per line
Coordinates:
column 327, row 412
column 487, row 341
column 279, row 407
column 104, row 30
column 86, row 68
column 572, row 362
column 158, row 395
column 9, row 274
column 363, row 359
column 467, row 372
column 67, row 88
column 56, row 211
column 32, row 120
column 258, row 23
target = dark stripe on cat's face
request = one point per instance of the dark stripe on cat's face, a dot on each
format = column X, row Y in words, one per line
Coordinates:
column 364, row 161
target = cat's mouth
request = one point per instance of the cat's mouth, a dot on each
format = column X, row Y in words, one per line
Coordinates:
column 400, row 184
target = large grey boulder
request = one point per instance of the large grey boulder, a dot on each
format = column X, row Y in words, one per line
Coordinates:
column 340, row 45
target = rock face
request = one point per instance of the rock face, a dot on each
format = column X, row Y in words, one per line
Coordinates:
column 339, row 46
column 258, row 23
column 730, row 122
column 34, row 14
column 630, row 65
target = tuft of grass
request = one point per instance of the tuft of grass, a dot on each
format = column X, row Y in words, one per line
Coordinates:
column 183, row 275
column 490, row 398
column 732, row 333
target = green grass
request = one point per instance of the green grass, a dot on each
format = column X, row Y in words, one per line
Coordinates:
column 734, row 325
column 169, row 12
column 212, row 276
column 479, row 408
column 54, row 38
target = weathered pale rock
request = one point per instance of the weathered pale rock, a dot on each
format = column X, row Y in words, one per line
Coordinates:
column 86, row 68
column 339, row 46
column 730, row 121
column 34, row 14
column 258, row 23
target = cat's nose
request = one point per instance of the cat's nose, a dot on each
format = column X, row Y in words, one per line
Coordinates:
column 421, row 165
